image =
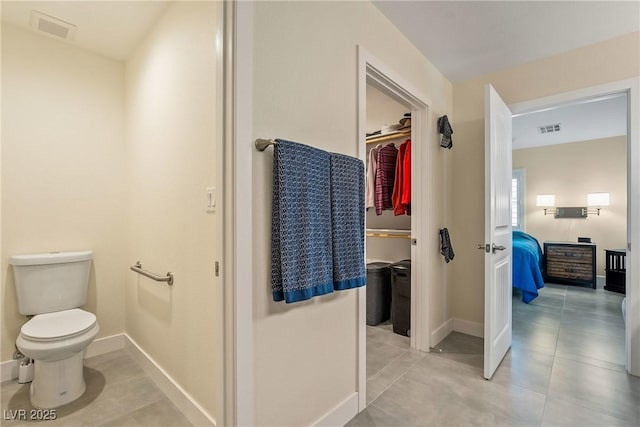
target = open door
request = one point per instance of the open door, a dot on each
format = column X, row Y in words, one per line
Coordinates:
column 497, row 246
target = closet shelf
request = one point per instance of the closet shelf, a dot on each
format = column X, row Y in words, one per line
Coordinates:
column 388, row 137
column 389, row 233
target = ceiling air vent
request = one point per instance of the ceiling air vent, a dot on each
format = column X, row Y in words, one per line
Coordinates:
column 52, row 26
column 549, row 128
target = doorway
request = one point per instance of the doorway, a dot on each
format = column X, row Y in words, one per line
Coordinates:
column 571, row 154
column 631, row 88
column 373, row 73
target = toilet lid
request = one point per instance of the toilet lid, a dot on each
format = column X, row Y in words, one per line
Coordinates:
column 58, row 325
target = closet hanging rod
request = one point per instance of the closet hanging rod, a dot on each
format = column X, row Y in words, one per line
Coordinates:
column 138, row 269
column 262, row 144
column 387, row 232
column 388, row 137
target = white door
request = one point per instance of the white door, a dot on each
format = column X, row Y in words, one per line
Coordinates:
column 497, row 246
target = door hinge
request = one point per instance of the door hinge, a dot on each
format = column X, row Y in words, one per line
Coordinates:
column 217, row 269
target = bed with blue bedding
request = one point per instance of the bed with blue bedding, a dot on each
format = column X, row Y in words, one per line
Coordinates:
column 527, row 265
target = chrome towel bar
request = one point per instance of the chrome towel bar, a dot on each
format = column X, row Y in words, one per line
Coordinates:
column 138, row 269
column 262, row 144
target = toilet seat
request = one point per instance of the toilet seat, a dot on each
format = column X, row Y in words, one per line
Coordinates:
column 58, row 325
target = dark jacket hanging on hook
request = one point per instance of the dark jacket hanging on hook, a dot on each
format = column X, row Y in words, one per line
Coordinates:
column 445, row 129
column 445, row 245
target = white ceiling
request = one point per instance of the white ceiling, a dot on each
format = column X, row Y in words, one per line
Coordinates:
column 463, row 39
column 110, row 28
column 593, row 119
column 466, row 39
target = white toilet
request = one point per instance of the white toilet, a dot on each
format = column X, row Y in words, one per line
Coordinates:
column 51, row 287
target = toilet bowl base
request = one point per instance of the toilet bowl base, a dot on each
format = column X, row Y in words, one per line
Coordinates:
column 56, row 383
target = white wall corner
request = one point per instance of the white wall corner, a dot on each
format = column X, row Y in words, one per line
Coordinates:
column 441, row 332
column 195, row 413
column 474, row 329
column 341, row 414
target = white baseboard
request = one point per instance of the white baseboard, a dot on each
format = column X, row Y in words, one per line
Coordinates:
column 341, row 414
column 441, row 332
column 105, row 345
column 467, row 327
column 9, row 369
column 183, row 401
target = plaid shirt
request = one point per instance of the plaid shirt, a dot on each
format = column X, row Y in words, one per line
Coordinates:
column 385, row 177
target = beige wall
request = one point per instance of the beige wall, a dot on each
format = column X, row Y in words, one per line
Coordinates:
column 63, row 162
column 305, row 89
column 608, row 61
column 570, row 171
column 171, row 132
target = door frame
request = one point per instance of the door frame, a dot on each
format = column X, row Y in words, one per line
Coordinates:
column 375, row 72
column 632, row 88
column 237, row 210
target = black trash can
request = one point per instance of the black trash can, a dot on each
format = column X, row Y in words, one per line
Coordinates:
column 378, row 292
column 401, row 297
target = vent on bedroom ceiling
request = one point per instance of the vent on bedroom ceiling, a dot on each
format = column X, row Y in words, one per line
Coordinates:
column 549, row 128
column 52, row 26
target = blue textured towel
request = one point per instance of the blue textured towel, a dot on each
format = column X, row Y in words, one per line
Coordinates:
column 301, row 250
column 347, row 220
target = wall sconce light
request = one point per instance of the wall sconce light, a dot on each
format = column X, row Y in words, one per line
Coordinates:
column 547, row 201
column 595, row 201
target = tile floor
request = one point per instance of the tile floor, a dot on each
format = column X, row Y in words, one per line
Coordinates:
column 565, row 368
column 119, row 393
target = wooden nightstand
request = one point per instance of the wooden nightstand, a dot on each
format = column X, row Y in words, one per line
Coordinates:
column 570, row 263
column 616, row 270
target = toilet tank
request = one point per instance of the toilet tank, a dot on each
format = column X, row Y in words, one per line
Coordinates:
column 52, row 281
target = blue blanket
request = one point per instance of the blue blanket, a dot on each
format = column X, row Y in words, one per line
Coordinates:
column 527, row 265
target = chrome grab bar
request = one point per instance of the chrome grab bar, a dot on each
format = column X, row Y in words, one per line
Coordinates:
column 138, row 269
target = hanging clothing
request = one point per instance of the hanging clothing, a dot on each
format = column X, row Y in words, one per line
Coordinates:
column 402, row 180
column 406, row 187
column 371, row 176
column 446, row 130
column 445, row 245
column 385, row 176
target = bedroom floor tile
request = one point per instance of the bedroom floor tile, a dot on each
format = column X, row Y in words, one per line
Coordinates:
column 534, row 337
column 538, row 314
column 566, row 414
column 565, row 368
column 525, row 368
column 582, row 346
column 461, row 344
column 381, row 380
column 592, row 323
column 611, row 392
column 436, row 391
column 380, row 355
